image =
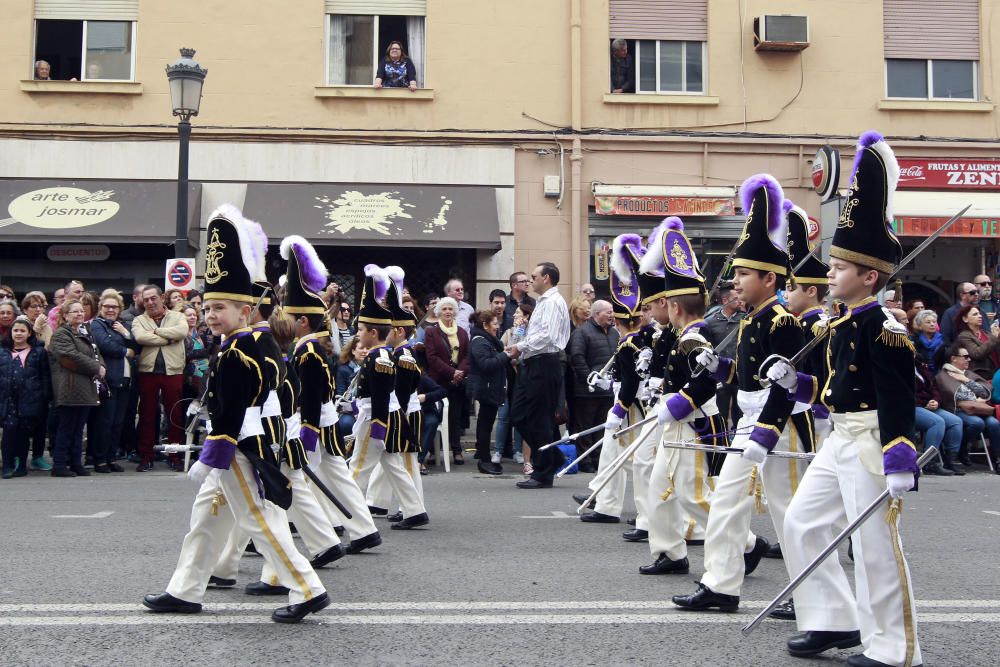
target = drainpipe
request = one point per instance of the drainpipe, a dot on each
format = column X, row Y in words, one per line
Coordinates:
column 577, row 217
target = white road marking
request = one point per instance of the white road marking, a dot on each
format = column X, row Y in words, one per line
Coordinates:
column 993, row 512
column 452, row 619
column 432, row 606
column 553, row 515
column 97, row 515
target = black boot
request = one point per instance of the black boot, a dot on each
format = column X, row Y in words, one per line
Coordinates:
column 963, row 455
column 935, row 467
column 950, row 464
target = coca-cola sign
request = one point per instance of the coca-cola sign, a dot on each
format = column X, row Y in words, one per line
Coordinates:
column 948, row 174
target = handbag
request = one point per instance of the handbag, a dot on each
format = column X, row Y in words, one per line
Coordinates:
column 976, row 408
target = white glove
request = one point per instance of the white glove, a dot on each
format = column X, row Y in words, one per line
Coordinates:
column 199, row 472
column 344, row 408
column 755, row 453
column 316, row 457
column 709, row 360
column 642, row 361
column 613, row 421
column 598, row 381
column 194, row 408
column 663, row 414
column 784, row 374
column 899, row 483
column 644, row 393
column 656, row 384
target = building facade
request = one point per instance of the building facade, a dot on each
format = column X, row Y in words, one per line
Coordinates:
column 513, row 146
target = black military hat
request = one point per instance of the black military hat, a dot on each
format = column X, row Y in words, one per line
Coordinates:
column 401, row 317
column 232, row 257
column 671, row 257
column 305, row 276
column 764, row 238
column 814, row 271
column 372, row 310
column 864, row 233
column 626, row 253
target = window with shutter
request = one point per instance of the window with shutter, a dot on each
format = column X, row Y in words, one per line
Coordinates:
column 360, row 35
column 85, row 40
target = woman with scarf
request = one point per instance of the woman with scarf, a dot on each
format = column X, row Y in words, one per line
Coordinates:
column 982, row 345
column 927, row 337
column 447, row 348
column 117, row 348
column 397, row 70
column 967, row 394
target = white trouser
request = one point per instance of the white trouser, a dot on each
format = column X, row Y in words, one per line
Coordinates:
column 611, row 499
column 309, row 519
column 368, row 453
column 734, row 498
column 380, row 490
column 823, row 430
column 265, row 523
column 834, row 490
column 335, row 474
column 679, row 496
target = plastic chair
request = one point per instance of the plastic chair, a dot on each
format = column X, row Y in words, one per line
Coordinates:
column 441, row 446
column 985, row 452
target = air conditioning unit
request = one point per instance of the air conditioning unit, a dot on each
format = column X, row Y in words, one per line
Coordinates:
column 780, row 32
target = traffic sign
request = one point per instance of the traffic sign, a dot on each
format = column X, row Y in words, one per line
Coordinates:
column 180, row 274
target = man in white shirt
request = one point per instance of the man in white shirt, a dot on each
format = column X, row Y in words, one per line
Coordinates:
column 456, row 291
column 534, row 406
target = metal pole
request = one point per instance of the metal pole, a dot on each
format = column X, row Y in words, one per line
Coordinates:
column 181, row 235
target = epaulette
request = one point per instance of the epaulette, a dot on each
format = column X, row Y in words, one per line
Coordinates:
column 893, row 334
column 820, row 326
column 407, row 361
column 383, row 363
column 782, row 318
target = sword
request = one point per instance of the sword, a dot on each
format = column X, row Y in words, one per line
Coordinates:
column 713, row 449
column 326, row 492
column 899, row 267
column 725, row 266
column 613, row 469
column 628, row 429
column 579, row 458
column 575, row 436
column 823, row 555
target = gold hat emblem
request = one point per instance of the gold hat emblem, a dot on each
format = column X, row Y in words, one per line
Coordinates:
column 213, row 254
column 680, row 256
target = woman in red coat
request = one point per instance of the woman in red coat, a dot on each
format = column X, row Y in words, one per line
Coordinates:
column 447, row 348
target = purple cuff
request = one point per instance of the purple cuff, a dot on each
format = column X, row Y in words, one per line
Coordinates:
column 218, row 453
column 820, row 411
column 618, row 411
column 899, row 458
column 354, row 408
column 765, row 437
column 679, row 407
column 309, row 438
column 722, row 372
column 376, row 431
column 804, row 390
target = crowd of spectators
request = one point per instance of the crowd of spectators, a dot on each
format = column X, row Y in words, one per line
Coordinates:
column 87, row 364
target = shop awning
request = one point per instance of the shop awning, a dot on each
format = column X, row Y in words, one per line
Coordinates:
column 49, row 211
column 921, row 213
column 457, row 216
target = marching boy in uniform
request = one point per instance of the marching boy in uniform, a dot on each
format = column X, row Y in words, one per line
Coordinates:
column 379, row 432
column 869, row 371
column 235, row 476
column 678, row 486
column 306, row 276
column 761, row 268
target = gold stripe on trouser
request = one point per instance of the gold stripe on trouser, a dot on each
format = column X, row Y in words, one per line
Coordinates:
column 892, row 518
column 793, row 464
column 356, row 466
column 690, row 529
column 699, row 483
column 266, row 530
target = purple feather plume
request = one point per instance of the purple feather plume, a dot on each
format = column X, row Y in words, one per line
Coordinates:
column 775, row 197
column 379, row 279
column 787, row 206
column 673, row 222
column 623, row 265
column 311, row 267
column 869, row 138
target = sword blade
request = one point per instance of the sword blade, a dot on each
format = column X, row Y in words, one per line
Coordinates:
column 823, row 555
column 714, row 449
column 927, row 241
column 725, row 266
column 571, row 438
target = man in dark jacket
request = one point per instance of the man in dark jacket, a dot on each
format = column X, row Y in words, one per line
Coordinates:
column 519, row 283
column 718, row 325
column 590, row 347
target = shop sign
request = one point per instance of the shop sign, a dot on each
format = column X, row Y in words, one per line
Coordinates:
column 602, row 259
column 87, row 252
column 948, row 174
column 971, row 228
column 662, row 206
column 180, row 274
column 63, row 208
column 826, row 172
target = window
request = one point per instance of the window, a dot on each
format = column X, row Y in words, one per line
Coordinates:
column 358, row 45
column 85, row 50
column 931, row 79
column 670, row 66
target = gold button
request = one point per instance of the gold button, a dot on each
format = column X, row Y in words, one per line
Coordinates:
column 671, row 367
column 829, row 392
column 853, row 368
column 852, row 346
column 864, row 406
column 673, row 352
column 211, row 394
column 756, row 378
column 833, row 373
column 752, row 339
column 854, row 324
column 753, row 358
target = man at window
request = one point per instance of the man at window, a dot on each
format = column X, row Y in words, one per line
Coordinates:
column 622, row 68
column 43, row 71
column 396, row 71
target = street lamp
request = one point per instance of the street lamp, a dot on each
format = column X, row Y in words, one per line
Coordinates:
column 186, row 77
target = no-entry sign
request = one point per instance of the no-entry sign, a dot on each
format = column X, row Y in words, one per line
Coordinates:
column 180, row 274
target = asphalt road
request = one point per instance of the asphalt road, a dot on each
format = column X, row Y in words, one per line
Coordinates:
column 501, row 577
